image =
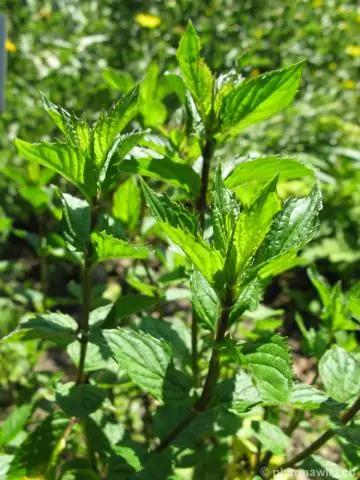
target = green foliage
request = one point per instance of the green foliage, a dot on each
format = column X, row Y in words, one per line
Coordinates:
column 106, row 246
column 339, row 372
column 149, row 327
column 269, row 363
column 147, row 361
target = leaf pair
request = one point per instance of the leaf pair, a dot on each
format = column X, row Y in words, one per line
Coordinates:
column 87, row 158
column 230, row 104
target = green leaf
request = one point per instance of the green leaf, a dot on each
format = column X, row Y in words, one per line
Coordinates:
column 14, row 423
column 80, row 474
column 126, row 305
column 5, row 461
column 106, row 247
column 249, row 175
column 327, row 469
column 98, row 353
column 179, row 174
column 36, row 452
column 182, row 229
column 239, row 393
column 306, row 397
column 148, row 362
column 36, row 196
column 195, row 73
column 251, row 228
column 127, row 203
column 291, row 229
column 121, row 81
column 206, row 305
column 66, row 122
column 321, row 285
column 123, row 462
column 269, row 363
column 271, row 437
column 79, row 400
column 77, row 220
column 111, row 123
column 337, row 315
column 54, row 327
column 258, row 99
column 110, row 170
column 340, row 373
column 175, row 333
column 165, row 210
column 248, row 299
column 353, row 297
column 66, row 160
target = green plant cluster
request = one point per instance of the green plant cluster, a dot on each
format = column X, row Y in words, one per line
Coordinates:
column 152, row 250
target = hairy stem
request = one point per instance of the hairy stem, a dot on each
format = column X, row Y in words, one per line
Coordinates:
column 345, row 418
column 201, row 206
column 84, row 320
column 86, row 297
column 207, row 154
column 211, row 379
column 43, row 261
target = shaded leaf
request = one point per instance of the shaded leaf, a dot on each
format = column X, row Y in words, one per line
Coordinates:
column 79, row 400
column 14, row 423
column 147, row 361
column 340, row 373
column 206, row 305
column 306, row 397
column 271, row 437
column 127, row 203
column 269, row 363
column 77, row 220
column 55, row 327
column 179, row 174
column 36, row 452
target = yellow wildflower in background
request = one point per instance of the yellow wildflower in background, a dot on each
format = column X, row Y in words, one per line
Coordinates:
column 353, row 50
column 350, row 84
column 147, row 20
column 259, row 33
column 10, row 46
column 316, row 3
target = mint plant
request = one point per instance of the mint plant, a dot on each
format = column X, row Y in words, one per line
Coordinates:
column 148, row 393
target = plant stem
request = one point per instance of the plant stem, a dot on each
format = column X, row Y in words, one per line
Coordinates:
column 207, row 154
column 345, row 418
column 201, row 206
column 86, row 297
column 211, row 379
column 43, row 261
column 84, row 320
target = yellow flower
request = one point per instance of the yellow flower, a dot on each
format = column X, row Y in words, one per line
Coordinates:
column 353, row 50
column 147, row 20
column 259, row 33
column 350, row 84
column 10, row 46
column 332, row 66
column 316, row 3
